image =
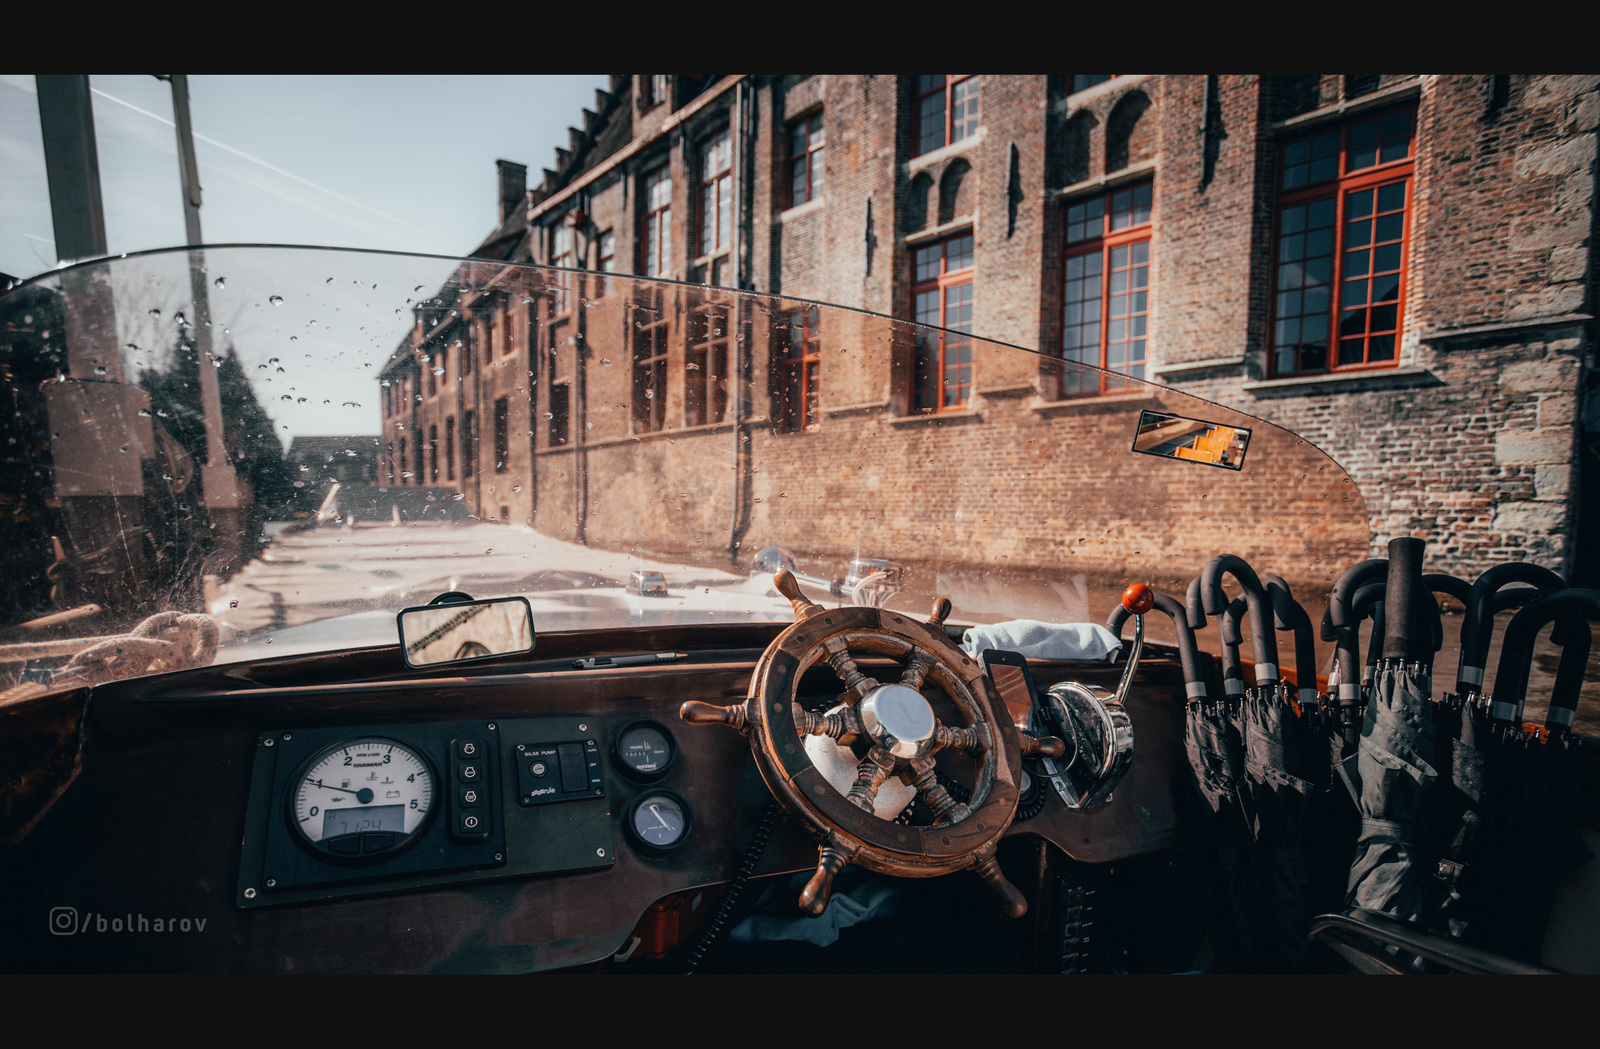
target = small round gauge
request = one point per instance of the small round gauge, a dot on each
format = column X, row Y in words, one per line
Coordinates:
column 644, row 750
column 362, row 798
column 659, row 820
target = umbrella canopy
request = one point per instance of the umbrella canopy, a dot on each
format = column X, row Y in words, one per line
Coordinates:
column 1473, row 742
column 1216, row 758
column 1395, row 762
column 1280, row 767
column 1526, row 841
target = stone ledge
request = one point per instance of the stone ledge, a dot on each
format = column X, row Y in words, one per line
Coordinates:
column 934, row 157
column 802, row 209
column 1115, row 178
column 864, row 408
column 1211, row 364
column 963, row 224
column 1109, row 401
column 1346, row 381
column 955, row 418
column 1505, row 328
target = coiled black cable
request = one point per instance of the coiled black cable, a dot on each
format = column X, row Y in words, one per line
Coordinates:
column 752, row 856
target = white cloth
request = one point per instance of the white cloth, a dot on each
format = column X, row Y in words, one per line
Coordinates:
column 1030, row 637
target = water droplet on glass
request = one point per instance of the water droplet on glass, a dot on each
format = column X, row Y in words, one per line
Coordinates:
column 549, row 415
column 490, row 550
column 99, row 369
column 144, row 413
column 457, row 498
column 155, row 313
column 220, row 282
column 276, row 300
column 134, row 348
column 285, row 397
column 272, row 360
column 180, row 318
column 328, row 281
column 605, row 362
column 234, row 603
column 516, row 488
column 216, row 362
column 350, row 404
column 302, row 400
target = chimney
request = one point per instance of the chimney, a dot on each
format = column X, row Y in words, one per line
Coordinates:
column 513, row 187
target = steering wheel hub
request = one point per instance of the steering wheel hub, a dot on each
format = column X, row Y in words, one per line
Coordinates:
column 899, row 720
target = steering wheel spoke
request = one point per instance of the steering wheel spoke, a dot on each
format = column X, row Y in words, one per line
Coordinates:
column 974, row 739
column 945, row 809
column 834, row 856
column 870, row 774
column 856, row 683
column 842, row 725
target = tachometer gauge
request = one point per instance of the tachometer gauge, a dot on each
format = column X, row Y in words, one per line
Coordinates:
column 362, row 798
column 644, row 750
column 658, row 821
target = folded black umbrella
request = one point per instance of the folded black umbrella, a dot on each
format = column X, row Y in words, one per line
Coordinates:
column 1280, row 766
column 1216, row 758
column 1394, row 767
column 1470, row 825
column 1525, row 839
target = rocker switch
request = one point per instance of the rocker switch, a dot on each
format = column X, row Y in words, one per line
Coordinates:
column 574, row 768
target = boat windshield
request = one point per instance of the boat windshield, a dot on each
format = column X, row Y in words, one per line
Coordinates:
column 246, row 452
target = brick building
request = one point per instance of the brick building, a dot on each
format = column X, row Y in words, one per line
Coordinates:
column 1396, row 267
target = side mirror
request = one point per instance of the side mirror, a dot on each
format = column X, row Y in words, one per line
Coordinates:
column 460, row 631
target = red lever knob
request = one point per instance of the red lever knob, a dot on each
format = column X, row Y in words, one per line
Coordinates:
column 1138, row 599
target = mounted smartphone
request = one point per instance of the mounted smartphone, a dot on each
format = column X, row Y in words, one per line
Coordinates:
column 1009, row 672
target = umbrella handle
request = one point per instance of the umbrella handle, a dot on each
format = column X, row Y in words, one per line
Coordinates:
column 1402, row 640
column 1477, row 626
column 1215, row 601
column 1516, row 651
column 1340, row 603
column 1188, row 652
column 1289, row 615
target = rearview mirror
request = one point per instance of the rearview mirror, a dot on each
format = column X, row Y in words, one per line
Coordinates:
column 460, row 631
column 1176, row 437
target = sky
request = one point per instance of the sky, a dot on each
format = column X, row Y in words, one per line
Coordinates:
column 392, row 163
column 398, row 163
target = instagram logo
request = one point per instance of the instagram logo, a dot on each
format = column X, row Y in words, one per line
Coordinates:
column 63, row 920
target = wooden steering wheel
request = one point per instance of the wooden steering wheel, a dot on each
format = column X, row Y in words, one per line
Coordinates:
column 902, row 735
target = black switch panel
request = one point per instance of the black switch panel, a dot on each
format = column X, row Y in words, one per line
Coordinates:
column 470, row 821
column 548, row 772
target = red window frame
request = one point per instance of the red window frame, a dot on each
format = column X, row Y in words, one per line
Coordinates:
column 705, row 366
column 469, row 443
column 716, row 192
column 502, row 435
column 1341, row 245
column 942, row 296
column 561, row 255
column 944, row 93
column 798, row 407
column 1107, row 235
column 656, row 243
column 651, row 328
column 807, row 150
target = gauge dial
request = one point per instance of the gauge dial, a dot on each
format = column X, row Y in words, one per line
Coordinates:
column 362, row 797
column 659, row 820
column 644, row 750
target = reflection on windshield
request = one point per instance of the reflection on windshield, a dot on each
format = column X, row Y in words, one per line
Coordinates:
column 326, row 437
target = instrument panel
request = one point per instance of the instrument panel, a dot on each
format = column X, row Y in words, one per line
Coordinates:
column 364, row 809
